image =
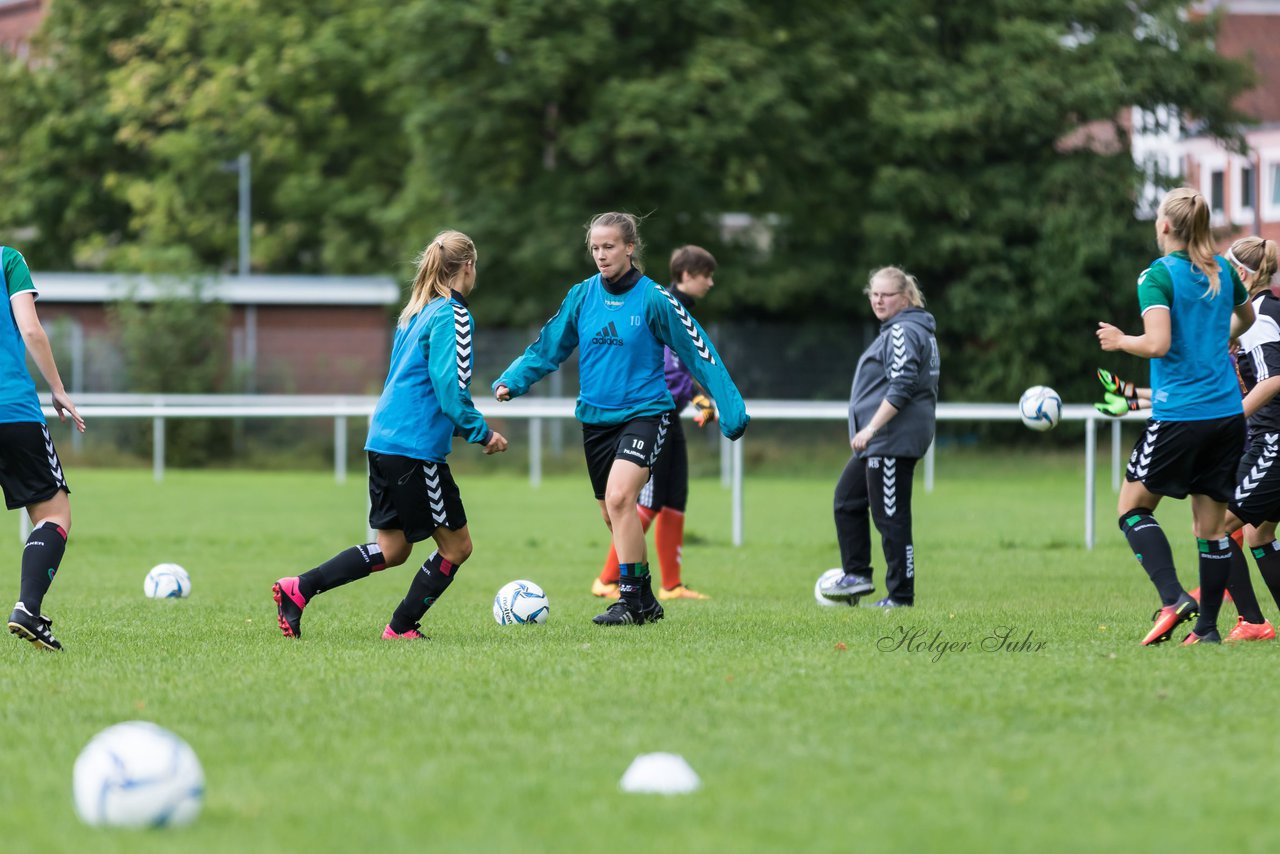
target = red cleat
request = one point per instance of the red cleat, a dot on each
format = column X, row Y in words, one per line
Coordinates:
column 1252, row 631
column 1169, row 617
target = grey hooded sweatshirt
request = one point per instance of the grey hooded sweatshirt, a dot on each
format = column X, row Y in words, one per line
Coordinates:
column 902, row 366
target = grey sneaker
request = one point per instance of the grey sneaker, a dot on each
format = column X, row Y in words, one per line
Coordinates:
column 847, row 586
column 886, row 602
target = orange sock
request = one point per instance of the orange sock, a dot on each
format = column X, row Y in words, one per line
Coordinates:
column 609, row 575
column 668, row 537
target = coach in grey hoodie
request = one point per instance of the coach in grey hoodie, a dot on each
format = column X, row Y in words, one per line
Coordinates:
column 892, row 411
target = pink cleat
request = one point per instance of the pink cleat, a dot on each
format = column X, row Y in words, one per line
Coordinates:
column 410, row 634
column 289, row 605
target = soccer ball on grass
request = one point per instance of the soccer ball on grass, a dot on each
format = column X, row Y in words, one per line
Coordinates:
column 520, row 602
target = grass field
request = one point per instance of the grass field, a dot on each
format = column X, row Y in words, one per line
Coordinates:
column 807, row 734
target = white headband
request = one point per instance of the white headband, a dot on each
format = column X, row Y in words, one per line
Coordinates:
column 1231, row 256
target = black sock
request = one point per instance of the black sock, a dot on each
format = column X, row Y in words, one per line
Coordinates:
column 428, row 585
column 1267, row 557
column 1151, row 547
column 40, row 559
column 1241, row 587
column 1215, row 567
column 634, row 584
column 344, row 567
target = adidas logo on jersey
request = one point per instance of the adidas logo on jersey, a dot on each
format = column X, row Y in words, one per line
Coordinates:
column 608, row 336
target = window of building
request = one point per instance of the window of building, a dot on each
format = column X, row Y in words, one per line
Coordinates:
column 1247, row 195
column 1216, row 191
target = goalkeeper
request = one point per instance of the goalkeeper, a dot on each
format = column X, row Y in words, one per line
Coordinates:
column 662, row 500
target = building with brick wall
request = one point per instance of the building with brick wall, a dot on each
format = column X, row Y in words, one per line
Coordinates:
column 1243, row 189
column 19, row 19
column 285, row 334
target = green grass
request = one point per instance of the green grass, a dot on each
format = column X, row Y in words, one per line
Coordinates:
column 806, row 734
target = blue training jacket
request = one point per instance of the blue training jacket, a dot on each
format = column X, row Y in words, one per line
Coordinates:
column 427, row 396
column 619, row 339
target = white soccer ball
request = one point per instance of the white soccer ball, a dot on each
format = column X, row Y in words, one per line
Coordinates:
column 826, row 578
column 137, row 774
column 167, row 581
column 520, row 602
column 1040, row 408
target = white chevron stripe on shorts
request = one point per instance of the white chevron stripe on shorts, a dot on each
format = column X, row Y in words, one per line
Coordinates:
column 664, row 424
column 1258, row 471
column 55, row 465
column 698, row 343
column 1140, row 459
column 462, row 335
column 435, row 493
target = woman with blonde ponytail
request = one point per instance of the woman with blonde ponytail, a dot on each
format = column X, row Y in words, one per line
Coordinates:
column 426, row 401
column 1193, row 303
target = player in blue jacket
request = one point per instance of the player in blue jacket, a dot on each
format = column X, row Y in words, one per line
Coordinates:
column 425, row 401
column 619, row 320
column 1192, row 302
column 30, row 472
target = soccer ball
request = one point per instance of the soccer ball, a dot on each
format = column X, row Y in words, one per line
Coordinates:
column 826, row 578
column 1040, row 408
column 167, row 581
column 137, row 774
column 520, row 602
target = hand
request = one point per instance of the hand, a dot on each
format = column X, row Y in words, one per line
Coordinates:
column 862, row 438
column 1109, row 336
column 706, row 410
column 497, row 444
column 1114, row 384
column 1115, row 405
column 502, row 393
column 63, row 406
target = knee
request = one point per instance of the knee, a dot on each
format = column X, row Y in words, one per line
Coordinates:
column 1130, row 518
column 617, row 502
column 456, row 552
column 394, row 552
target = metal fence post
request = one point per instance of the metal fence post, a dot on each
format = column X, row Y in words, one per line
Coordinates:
column 928, row 467
column 157, row 448
column 1115, row 456
column 535, row 452
column 1090, row 476
column 340, row 449
column 737, row 491
column 726, row 461
column 24, row 526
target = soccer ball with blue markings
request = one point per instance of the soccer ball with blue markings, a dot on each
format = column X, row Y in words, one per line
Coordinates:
column 167, row 581
column 137, row 774
column 520, row 602
column 1040, row 408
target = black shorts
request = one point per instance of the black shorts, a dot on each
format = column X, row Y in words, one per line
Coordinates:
column 1257, row 495
column 413, row 496
column 637, row 441
column 1181, row 458
column 668, row 486
column 30, row 471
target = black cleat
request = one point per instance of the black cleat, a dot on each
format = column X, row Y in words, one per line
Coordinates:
column 847, row 586
column 32, row 628
column 622, row 614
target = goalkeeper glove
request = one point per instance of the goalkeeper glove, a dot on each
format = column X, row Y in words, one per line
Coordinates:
column 1114, row 385
column 1115, row 405
column 706, row 410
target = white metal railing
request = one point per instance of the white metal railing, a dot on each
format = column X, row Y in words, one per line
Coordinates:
column 161, row 407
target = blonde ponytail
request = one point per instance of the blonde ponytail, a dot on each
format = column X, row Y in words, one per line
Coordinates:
column 439, row 267
column 1188, row 214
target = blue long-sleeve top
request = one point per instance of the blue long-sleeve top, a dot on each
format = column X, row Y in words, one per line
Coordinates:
column 427, row 396
column 619, row 333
